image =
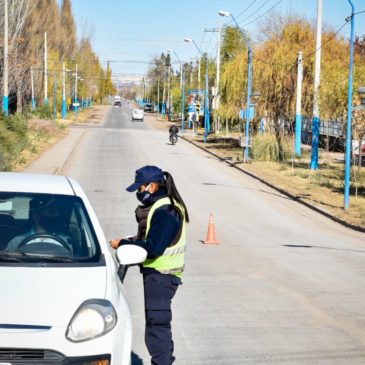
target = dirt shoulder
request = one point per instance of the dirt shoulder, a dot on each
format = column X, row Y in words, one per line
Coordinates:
column 43, row 134
column 322, row 190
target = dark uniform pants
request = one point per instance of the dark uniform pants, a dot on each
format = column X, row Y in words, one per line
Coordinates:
column 159, row 289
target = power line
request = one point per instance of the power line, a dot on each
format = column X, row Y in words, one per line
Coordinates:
column 258, row 9
column 359, row 12
column 243, row 11
column 263, row 14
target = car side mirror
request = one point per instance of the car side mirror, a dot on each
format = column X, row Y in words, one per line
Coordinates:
column 129, row 255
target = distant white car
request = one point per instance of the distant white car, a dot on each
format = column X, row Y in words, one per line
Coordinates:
column 137, row 114
column 62, row 297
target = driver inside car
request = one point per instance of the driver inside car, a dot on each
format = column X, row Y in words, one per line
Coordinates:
column 45, row 220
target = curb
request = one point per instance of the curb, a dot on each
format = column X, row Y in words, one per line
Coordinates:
column 289, row 195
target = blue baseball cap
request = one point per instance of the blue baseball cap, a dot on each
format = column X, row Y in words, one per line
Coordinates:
column 146, row 175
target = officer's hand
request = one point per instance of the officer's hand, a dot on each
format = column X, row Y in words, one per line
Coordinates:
column 114, row 243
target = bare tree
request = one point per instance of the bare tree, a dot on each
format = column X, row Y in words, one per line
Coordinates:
column 18, row 12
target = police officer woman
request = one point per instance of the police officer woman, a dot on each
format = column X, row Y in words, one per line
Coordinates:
column 161, row 218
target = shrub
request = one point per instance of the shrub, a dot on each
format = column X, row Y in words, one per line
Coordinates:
column 268, row 147
column 44, row 112
column 265, row 147
column 13, row 139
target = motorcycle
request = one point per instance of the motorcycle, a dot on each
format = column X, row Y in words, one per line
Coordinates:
column 173, row 138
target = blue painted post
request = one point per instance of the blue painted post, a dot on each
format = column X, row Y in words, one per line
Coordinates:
column 298, row 114
column 6, row 105
column 63, row 107
column 315, row 143
column 349, row 114
column 6, row 62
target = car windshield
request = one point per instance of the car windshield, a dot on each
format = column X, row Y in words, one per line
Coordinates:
column 46, row 227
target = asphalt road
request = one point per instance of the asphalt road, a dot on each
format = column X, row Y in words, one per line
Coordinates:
column 284, row 286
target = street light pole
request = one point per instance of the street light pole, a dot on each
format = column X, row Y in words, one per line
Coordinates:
column 218, row 71
column 206, row 104
column 349, row 112
column 249, row 81
column 317, row 78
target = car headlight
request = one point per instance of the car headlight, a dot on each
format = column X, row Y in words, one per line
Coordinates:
column 94, row 318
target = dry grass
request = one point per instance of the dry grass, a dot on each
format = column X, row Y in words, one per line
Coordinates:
column 322, row 188
column 42, row 134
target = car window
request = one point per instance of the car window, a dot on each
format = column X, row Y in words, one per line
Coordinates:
column 44, row 226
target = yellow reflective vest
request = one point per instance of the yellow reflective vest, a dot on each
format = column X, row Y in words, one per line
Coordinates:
column 173, row 258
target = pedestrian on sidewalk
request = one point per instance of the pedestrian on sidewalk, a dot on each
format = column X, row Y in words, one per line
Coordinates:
column 161, row 219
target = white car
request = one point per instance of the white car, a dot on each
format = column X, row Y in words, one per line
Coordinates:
column 62, row 299
column 137, row 114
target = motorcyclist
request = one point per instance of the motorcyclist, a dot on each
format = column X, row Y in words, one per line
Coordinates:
column 173, row 130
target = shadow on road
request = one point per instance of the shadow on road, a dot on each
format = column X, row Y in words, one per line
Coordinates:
column 322, row 247
column 136, row 360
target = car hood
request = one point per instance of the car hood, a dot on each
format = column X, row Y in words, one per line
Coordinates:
column 47, row 296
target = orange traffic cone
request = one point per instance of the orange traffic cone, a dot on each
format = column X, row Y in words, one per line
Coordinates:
column 211, row 231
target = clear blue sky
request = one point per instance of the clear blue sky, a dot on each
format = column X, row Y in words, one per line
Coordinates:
column 135, row 31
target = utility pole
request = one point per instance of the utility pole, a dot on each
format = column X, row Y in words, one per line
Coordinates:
column 63, row 91
column 6, row 61
column 32, row 87
column 45, row 100
column 298, row 114
column 249, row 83
column 317, row 78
